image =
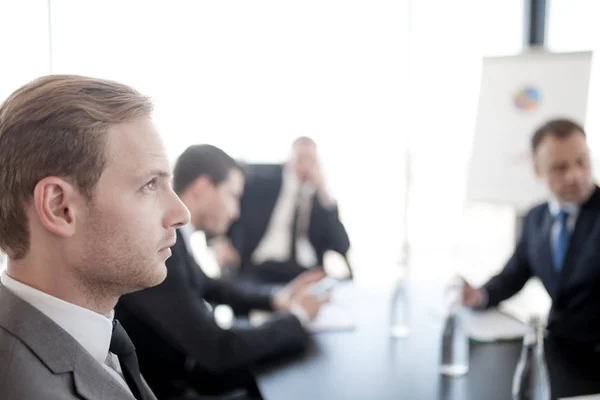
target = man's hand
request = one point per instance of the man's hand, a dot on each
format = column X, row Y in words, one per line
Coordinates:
column 316, row 176
column 288, row 295
column 318, row 180
column 310, row 303
column 225, row 253
column 471, row 297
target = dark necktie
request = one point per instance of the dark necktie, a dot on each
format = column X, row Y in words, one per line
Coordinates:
column 123, row 348
column 295, row 228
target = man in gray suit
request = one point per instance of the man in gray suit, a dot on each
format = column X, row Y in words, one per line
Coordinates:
column 87, row 214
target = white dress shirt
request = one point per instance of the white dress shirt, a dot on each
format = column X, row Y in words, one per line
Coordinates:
column 275, row 245
column 92, row 330
column 570, row 208
column 186, row 233
column 197, row 247
column 200, row 252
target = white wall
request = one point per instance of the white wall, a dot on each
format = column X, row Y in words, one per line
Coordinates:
column 24, row 43
column 364, row 78
column 573, row 26
column 448, row 41
column 251, row 76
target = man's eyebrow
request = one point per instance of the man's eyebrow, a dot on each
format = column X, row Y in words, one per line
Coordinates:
column 158, row 172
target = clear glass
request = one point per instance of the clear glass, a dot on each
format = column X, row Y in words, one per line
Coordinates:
column 531, row 381
column 399, row 322
column 455, row 346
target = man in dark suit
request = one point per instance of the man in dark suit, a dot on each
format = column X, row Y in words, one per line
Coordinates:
column 180, row 346
column 559, row 244
column 87, row 213
column 288, row 220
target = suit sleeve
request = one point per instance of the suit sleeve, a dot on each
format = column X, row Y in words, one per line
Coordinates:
column 334, row 233
column 240, row 297
column 179, row 315
column 513, row 277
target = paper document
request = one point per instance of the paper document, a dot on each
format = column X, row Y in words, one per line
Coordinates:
column 333, row 317
column 532, row 300
column 491, row 325
column 590, row 397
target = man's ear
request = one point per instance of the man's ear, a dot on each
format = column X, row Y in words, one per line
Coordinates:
column 55, row 202
column 201, row 185
column 536, row 166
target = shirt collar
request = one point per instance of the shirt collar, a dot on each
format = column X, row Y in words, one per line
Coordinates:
column 291, row 184
column 186, row 234
column 93, row 331
column 187, row 231
column 570, row 208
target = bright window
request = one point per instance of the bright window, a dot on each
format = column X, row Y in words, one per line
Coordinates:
column 365, row 79
column 572, row 26
column 24, row 45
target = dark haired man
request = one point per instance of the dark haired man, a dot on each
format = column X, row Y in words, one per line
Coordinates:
column 182, row 350
column 560, row 244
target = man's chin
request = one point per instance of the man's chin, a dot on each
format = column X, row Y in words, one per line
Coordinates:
column 577, row 198
column 144, row 280
column 158, row 277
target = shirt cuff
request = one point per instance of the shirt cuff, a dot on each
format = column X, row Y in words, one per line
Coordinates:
column 299, row 313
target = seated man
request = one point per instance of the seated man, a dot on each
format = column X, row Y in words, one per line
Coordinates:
column 181, row 348
column 560, row 245
column 87, row 213
column 288, row 220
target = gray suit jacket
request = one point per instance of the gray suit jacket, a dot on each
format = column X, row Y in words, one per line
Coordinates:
column 39, row 360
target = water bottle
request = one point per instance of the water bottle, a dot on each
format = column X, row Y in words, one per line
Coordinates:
column 531, row 380
column 399, row 311
column 455, row 345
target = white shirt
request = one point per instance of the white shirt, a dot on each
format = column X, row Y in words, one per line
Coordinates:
column 570, row 208
column 197, row 247
column 92, row 330
column 200, row 253
column 186, row 233
column 275, row 245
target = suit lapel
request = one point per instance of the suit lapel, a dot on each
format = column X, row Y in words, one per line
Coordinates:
column 262, row 194
column 55, row 347
column 58, row 350
column 583, row 227
column 544, row 254
column 93, row 382
column 88, row 385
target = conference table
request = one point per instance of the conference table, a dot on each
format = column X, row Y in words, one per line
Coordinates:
column 368, row 363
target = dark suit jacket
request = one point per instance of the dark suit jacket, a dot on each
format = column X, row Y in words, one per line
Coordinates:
column 263, row 184
column 178, row 342
column 39, row 360
column 575, row 290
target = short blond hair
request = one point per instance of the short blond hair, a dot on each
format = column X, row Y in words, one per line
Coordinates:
column 56, row 125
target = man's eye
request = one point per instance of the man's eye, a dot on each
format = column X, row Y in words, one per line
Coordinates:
column 151, row 185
